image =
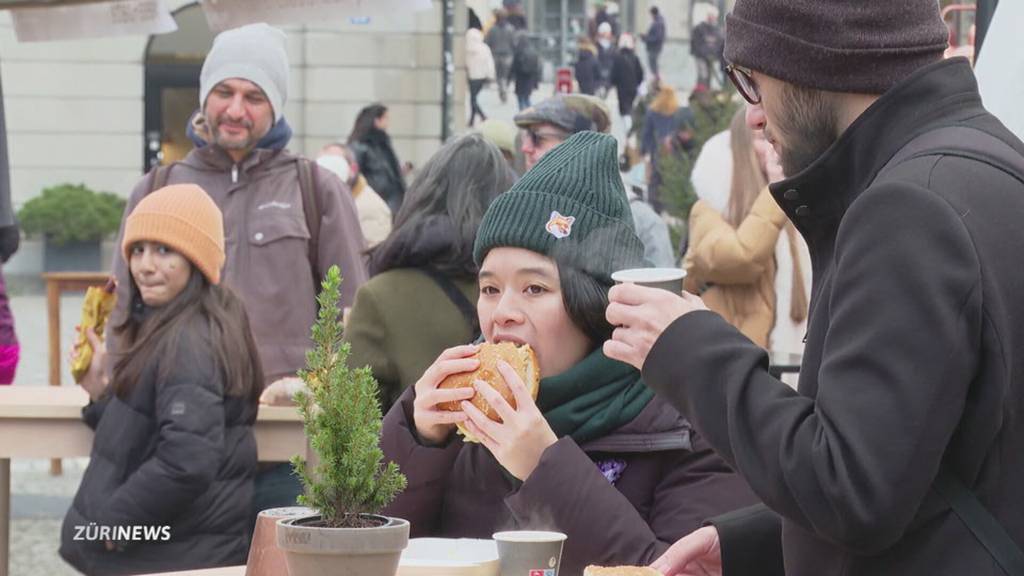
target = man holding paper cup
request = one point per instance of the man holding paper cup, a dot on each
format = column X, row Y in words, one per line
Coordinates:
column 902, row 452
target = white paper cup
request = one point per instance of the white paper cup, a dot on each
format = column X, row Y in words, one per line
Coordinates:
column 522, row 552
column 670, row 279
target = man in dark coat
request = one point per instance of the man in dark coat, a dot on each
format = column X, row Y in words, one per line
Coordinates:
column 909, row 194
column 627, row 75
column 654, row 39
column 706, row 43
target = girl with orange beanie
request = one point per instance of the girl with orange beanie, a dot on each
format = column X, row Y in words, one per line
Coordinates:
column 170, row 480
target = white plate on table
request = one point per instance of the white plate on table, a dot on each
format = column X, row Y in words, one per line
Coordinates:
column 449, row 557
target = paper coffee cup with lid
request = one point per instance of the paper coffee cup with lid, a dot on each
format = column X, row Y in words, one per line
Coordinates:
column 670, row 279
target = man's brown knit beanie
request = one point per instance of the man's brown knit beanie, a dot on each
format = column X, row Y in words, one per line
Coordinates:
column 182, row 217
column 861, row 46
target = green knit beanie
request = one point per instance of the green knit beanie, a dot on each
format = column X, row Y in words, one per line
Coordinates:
column 571, row 207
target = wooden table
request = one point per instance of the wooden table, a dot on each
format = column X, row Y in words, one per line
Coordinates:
column 45, row 422
column 56, row 284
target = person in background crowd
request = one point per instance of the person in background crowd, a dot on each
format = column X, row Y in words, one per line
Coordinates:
column 174, row 449
column 240, row 160
column 627, row 75
column 706, row 45
column 902, row 450
column 376, row 156
column 374, row 214
column 526, row 69
column 502, row 134
column 650, row 227
column 597, row 456
column 731, row 258
column 479, row 70
column 654, row 39
column 606, row 51
column 552, row 121
column 10, row 238
column 423, row 291
column 501, row 39
column 660, row 125
column 588, row 69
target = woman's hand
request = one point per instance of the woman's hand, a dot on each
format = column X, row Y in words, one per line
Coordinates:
column 519, row 440
column 95, row 380
column 432, row 424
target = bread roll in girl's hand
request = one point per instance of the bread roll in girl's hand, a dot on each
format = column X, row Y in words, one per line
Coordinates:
column 620, row 571
column 520, row 358
column 99, row 303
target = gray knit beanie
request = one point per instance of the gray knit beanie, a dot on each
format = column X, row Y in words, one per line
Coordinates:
column 256, row 53
column 863, row 46
column 571, row 207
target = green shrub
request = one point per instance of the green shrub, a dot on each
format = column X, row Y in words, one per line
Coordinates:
column 70, row 213
column 343, row 423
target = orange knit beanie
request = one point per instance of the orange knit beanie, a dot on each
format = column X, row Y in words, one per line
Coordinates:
column 185, row 218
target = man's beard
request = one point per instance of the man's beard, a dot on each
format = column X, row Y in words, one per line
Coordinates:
column 809, row 122
column 229, row 144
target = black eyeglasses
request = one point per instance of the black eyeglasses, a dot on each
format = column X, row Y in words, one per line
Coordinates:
column 743, row 79
column 536, row 137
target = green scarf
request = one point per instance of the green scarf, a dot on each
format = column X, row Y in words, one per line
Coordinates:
column 592, row 398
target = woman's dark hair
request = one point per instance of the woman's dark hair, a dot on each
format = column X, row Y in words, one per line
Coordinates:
column 438, row 221
column 364, row 122
column 585, row 299
column 155, row 334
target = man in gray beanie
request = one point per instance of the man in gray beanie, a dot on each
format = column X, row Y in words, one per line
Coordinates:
column 902, row 451
column 286, row 222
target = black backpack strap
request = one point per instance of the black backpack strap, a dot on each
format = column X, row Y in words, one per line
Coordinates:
column 982, row 524
column 457, row 297
column 311, row 208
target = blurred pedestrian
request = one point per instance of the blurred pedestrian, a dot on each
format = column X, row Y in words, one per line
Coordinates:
column 588, row 69
column 10, row 239
column 660, row 125
column 654, row 39
column 627, row 75
column 479, row 70
column 526, row 69
column 374, row 214
column 706, row 45
column 376, row 156
column 501, row 39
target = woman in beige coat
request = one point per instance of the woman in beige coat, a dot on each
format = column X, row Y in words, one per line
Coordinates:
column 731, row 257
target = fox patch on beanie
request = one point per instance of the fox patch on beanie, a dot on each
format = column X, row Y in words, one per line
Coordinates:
column 865, row 47
column 255, row 52
column 571, row 207
column 184, row 218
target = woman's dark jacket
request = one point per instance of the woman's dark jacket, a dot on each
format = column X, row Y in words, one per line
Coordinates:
column 379, row 164
column 588, row 72
column 174, row 452
column 622, row 499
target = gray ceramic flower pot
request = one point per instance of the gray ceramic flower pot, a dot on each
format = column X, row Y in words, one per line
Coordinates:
column 317, row 551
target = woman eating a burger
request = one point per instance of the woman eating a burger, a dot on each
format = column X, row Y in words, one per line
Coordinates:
column 592, row 453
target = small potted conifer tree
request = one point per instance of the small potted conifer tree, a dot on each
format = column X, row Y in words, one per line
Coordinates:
column 351, row 483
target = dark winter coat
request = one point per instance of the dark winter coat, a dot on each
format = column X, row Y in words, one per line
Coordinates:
column 501, row 39
column 707, row 41
column 588, row 72
column 914, row 358
column 379, row 165
column 621, row 499
column 175, row 452
column 526, row 68
column 627, row 75
column 655, row 36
